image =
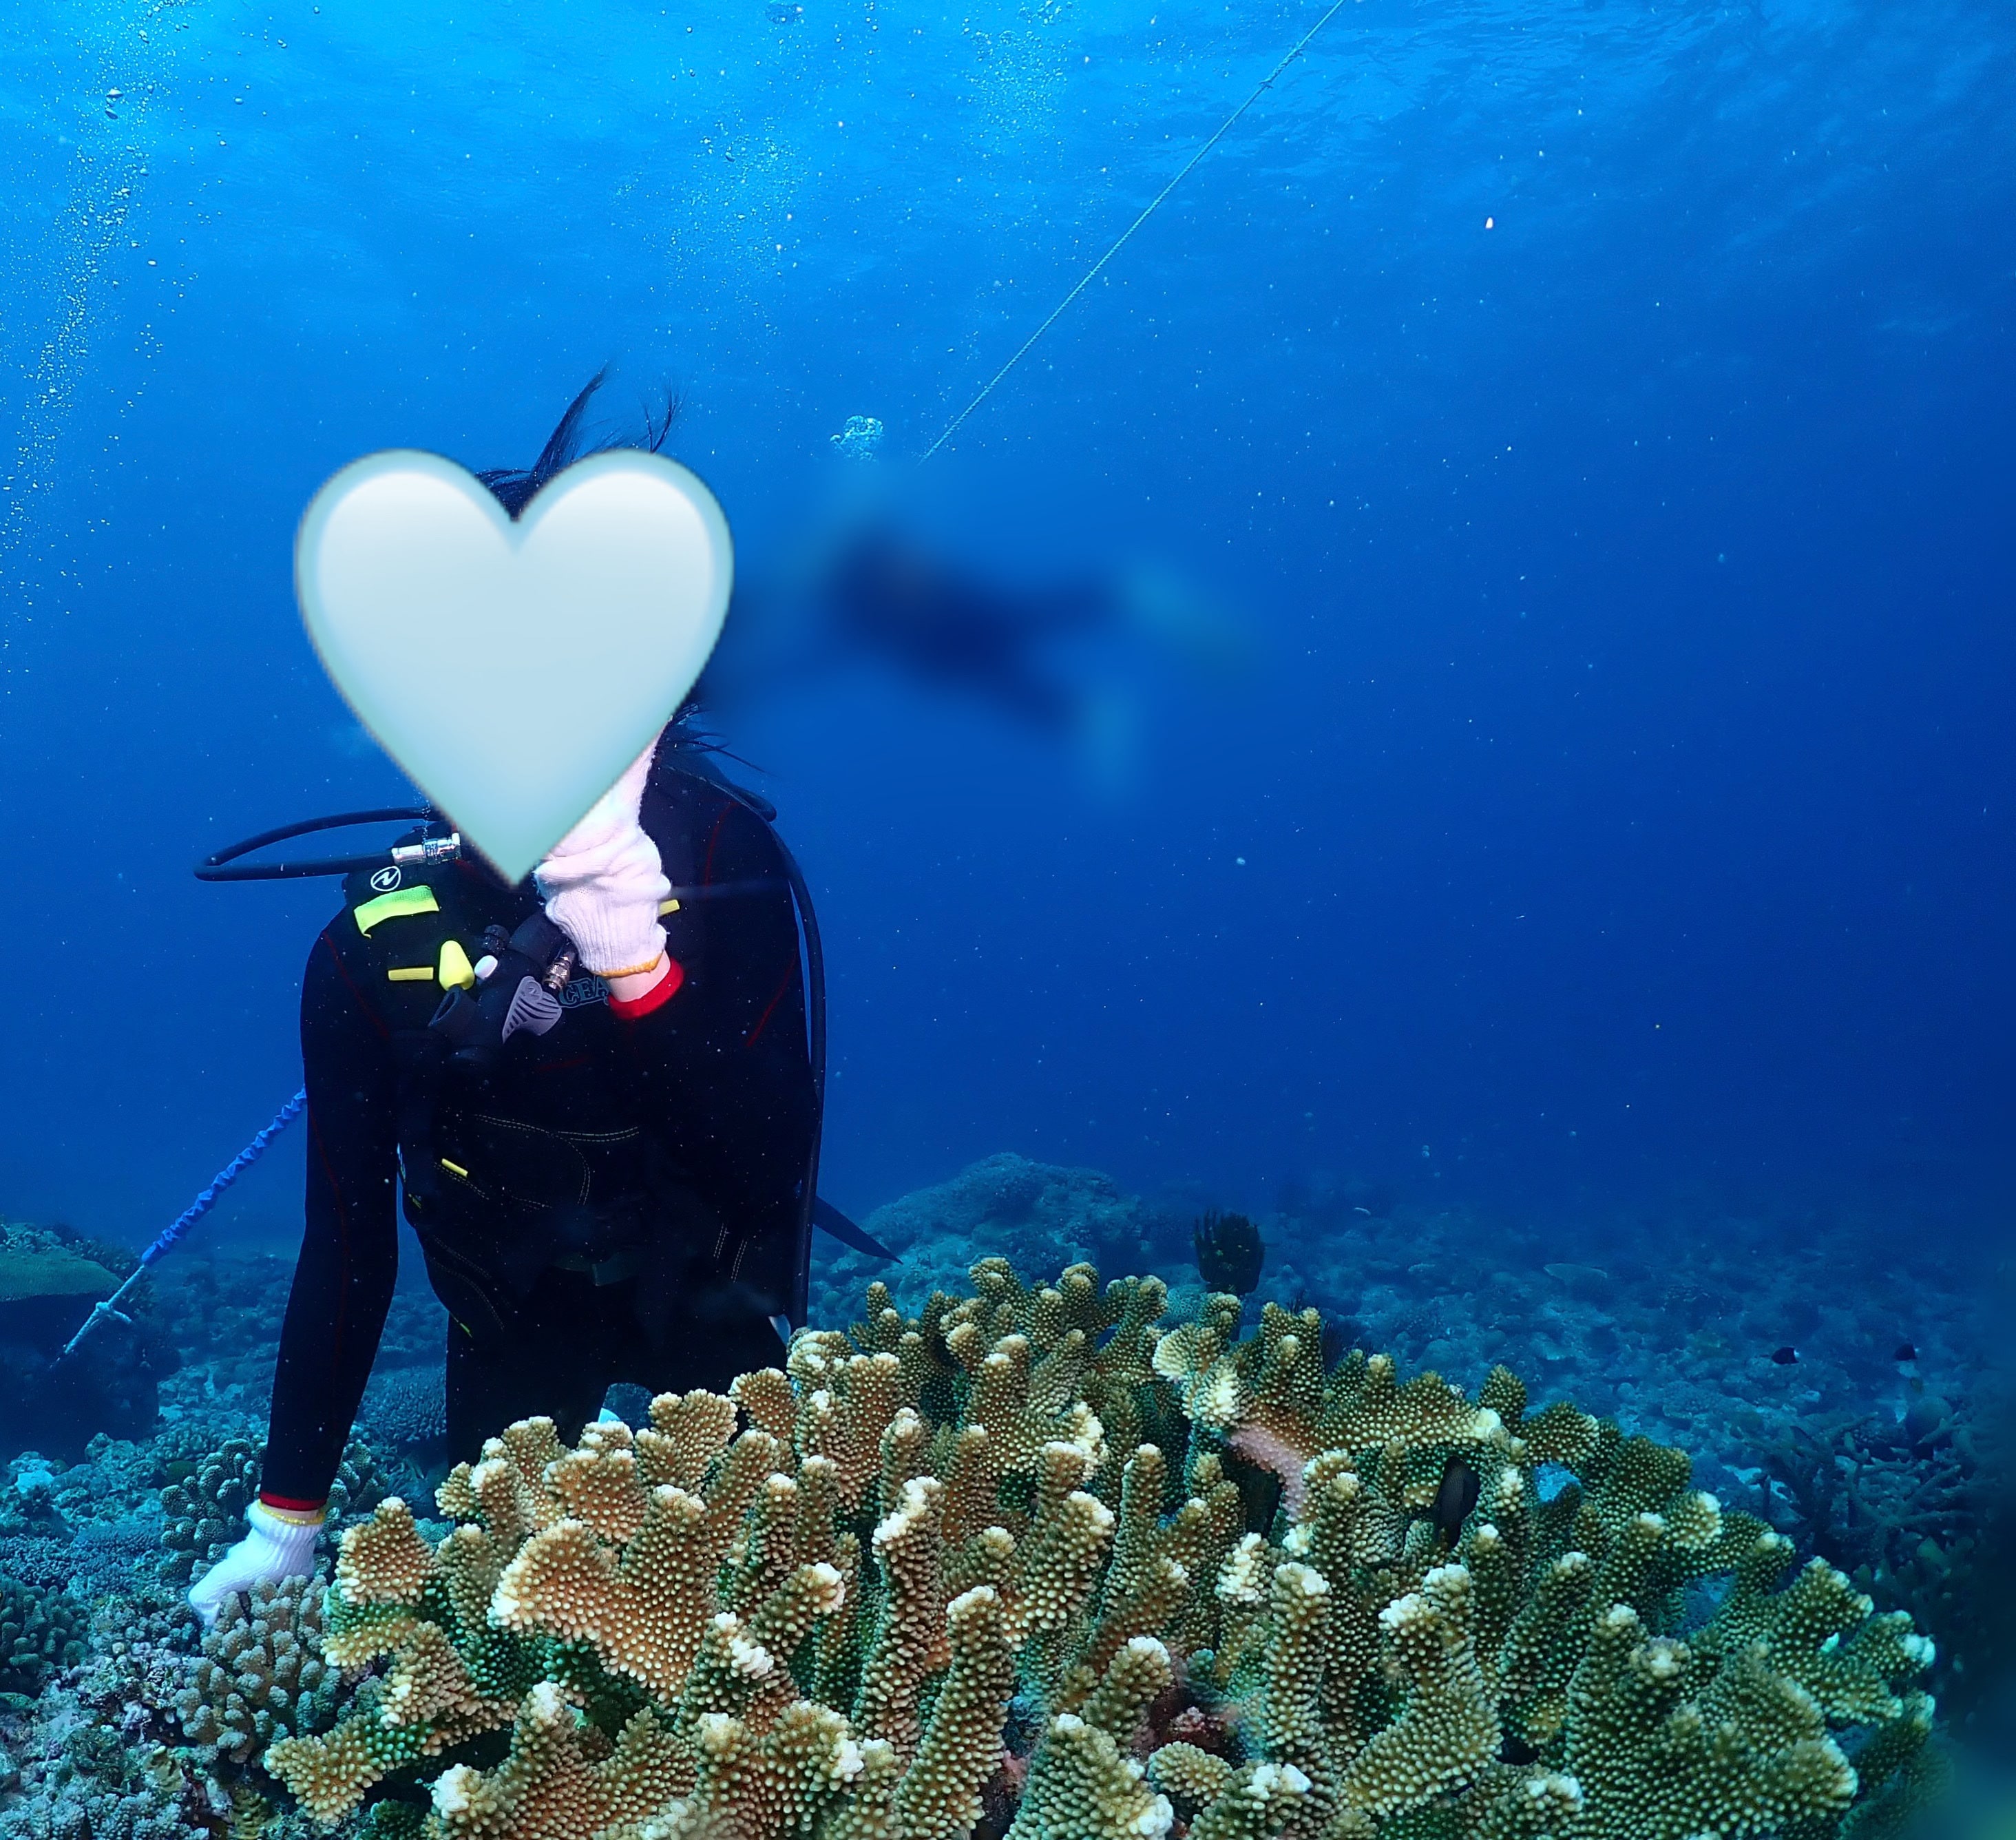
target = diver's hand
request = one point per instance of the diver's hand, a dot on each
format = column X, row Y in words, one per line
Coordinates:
column 277, row 1548
column 603, row 883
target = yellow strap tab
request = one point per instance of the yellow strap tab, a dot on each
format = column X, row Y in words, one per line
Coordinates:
column 411, row 975
column 395, row 905
column 455, row 969
column 454, row 1168
column 668, row 907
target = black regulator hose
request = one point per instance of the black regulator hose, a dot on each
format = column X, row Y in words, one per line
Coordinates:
column 225, row 867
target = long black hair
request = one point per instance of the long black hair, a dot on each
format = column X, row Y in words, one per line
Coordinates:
column 514, row 487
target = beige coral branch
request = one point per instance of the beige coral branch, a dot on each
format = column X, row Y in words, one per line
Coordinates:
column 956, row 1568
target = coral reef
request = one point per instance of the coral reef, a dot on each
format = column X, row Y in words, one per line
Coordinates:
column 1665, row 1319
column 1038, row 1216
column 361, row 1483
column 1668, row 1324
column 1914, row 1510
column 407, row 1408
column 98, row 1787
column 32, row 1514
column 89, row 1758
column 36, row 1263
column 227, row 1312
column 204, row 1510
column 92, row 1524
column 105, row 1556
column 226, row 1309
column 1022, row 1550
column 261, row 1676
column 49, row 1278
column 120, row 1748
column 41, row 1631
column 204, row 1503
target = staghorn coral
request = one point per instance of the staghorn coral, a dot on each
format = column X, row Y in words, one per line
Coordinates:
column 261, row 1676
column 975, row 1559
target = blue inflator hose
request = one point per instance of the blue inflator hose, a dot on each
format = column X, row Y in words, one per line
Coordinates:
column 825, row 1215
column 191, row 1214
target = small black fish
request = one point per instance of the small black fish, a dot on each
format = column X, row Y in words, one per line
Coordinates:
column 1515, row 1751
column 1455, row 1498
column 1784, row 1356
column 1905, row 1352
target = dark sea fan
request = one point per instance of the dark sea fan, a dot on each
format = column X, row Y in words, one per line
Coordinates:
column 1229, row 1252
column 1340, row 1335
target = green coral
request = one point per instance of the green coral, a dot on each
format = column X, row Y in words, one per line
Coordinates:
column 978, row 1558
column 261, row 1676
column 1918, row 1513
column 205, row 1492
column 40, row 1261
column 204, row 1513
column 1559, row 1624
column 362, row 1482
column 41, row 1632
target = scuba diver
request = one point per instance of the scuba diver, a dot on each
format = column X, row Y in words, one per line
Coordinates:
column 599, row 1093
column 952, row 631
column 869, row 592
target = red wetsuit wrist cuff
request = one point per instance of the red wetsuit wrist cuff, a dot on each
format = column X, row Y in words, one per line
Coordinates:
column 661, row 992
column 290, row 1504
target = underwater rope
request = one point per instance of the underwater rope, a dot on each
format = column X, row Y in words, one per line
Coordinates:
column 1084, row 280
column 191, row 1215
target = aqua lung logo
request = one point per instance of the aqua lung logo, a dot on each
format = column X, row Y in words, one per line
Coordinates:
column 578, row 992
column 386, row 879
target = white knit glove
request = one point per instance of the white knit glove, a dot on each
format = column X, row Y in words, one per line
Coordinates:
column 274, row 1549
column 604, row 882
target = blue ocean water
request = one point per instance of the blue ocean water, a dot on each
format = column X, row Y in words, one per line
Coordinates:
column 1549, row 762
column 1608, row 790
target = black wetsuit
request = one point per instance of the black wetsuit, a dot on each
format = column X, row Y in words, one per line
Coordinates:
column 619, row 1199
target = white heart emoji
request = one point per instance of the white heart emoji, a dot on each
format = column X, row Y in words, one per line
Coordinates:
column 513, row 669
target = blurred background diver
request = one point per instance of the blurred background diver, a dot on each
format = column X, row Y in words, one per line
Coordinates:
column 870, row 592
column 598, row 1091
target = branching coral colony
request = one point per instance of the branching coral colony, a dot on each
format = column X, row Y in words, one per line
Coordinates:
column 993, row 1564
